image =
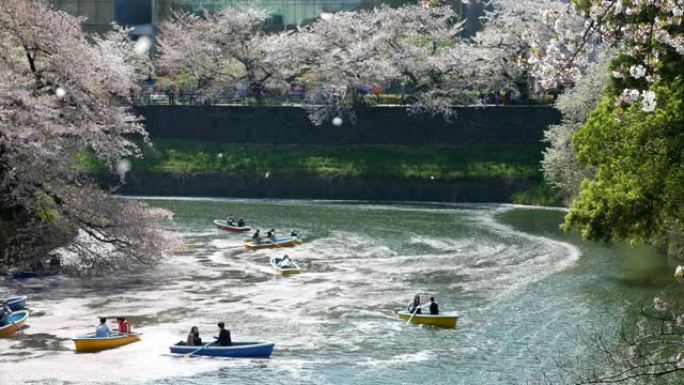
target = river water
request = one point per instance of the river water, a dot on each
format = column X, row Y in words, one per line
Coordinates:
column 524, row 290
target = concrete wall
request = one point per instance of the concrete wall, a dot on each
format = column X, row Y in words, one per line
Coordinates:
column 379, row 125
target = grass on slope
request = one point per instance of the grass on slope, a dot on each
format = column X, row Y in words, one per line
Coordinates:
column 171, row 156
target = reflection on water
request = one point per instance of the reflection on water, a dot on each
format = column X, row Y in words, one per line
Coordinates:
column 517, row 289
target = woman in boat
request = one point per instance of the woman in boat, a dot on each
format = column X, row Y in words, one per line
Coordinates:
column 193, row 337
column 124, row 325
column 414, row 307
column 256, row 237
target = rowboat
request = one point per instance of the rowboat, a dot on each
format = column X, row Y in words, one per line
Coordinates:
column 16, row 322
column 266, row 243
column 223, row 225
column 16, row 303
column 237, row 349
column 287, row 268
column 439, row 320
column 90, row 344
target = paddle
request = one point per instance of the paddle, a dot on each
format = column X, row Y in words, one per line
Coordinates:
column 414, row 313
column 19, row 330
column 197, row 350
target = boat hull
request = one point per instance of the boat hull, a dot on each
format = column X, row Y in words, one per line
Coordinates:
column 236, row 350
column 16, row 303
column 91, row 344
column 18, row 319
column 286, row 271
column 447, row 321
column 268, row 244
column 223, row 225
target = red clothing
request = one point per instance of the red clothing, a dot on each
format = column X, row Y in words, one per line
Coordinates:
column 124, row 327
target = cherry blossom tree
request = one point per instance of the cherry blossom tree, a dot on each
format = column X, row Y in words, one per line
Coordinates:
column 64, row 95
column 647, row 35
column 561, row 167
column 218, row 49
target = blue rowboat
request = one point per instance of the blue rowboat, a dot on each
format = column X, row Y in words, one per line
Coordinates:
column 16, row 303
column 237, row 350
column 16, row 322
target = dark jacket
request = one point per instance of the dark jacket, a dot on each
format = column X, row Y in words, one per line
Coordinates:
column 434, row 308
column 224, row 338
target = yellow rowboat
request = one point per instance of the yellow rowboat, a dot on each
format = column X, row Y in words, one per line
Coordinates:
column 16, row 322
column 271, row 244
column 439, row 320
column 90, row 344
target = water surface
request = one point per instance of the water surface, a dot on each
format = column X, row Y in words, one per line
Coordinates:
column 522, row 288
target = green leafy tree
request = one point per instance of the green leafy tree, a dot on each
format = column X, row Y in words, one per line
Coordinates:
column 638, row 190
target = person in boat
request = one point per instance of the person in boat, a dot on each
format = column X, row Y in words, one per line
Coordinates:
column 124, row 325
column 102, row 330
column 230, row 220
column 5, row 313
column 285, row 262
column 223, row 338
column 434, row 307
column 241, row 222
column 271, row 235
column 293, row 233
column 193, row 337
column 256, row 237
column 414, row 307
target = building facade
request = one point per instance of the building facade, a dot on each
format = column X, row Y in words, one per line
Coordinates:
column 100, row 14
column 144, row 14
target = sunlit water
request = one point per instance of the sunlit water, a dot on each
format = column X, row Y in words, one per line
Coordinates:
column 522, row 288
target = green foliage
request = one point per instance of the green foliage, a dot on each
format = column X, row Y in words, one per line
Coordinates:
column 424, row 162
column 638, row 190
column 539, row 194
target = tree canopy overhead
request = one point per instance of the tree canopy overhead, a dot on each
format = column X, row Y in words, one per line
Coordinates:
column 64, row 94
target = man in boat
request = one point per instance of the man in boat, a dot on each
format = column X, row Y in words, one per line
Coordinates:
column 293, row 233
column 5, row 313
column 102, row 330
column 124, row 325
column 271, row 235
column 414, row 307
column 434, row 308
column 230, row 220
column 223, row 338
column 241, row 222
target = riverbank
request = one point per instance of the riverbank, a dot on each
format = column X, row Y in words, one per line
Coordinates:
column 476, row 173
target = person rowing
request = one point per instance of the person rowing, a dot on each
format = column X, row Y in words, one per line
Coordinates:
column 414, row 306
column 256, row 237
column 271, row 235
column 5, row 313
column 241, row 222
column 102, row 330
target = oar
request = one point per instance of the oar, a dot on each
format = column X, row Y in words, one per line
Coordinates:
column 19, row 330
column 414, row 313
column 197, row 350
